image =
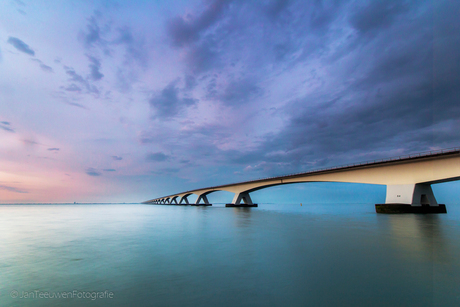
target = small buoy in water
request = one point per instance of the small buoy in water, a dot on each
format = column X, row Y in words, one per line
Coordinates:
column 301, row 204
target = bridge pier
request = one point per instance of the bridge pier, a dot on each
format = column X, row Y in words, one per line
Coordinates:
column 243, row 196
column 410, row 198
column 184, row 200
column 203, row 198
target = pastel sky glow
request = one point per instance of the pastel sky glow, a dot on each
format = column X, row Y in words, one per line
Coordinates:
column 130, row 100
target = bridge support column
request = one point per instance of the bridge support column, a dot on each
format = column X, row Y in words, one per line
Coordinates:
column 241, row 197
column 173, row 200
column 410, row 198
column 203, row 198
column 184, row 200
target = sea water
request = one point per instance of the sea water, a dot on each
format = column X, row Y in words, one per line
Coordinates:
column 273, row 255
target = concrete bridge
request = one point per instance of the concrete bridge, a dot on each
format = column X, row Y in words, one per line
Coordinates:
column 408, row 180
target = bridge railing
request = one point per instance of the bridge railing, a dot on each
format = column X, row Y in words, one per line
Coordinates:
column 396, row 158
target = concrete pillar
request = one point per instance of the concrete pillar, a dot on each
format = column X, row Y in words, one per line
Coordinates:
column 411, row 194
column 184, row 199
column 202, row 197
column 174, row 200
column 410, row 198
column 244, row 196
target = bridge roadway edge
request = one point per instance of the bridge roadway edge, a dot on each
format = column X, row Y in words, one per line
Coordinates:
column 425, row 160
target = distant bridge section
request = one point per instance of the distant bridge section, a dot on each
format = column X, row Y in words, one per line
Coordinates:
column 408, row 179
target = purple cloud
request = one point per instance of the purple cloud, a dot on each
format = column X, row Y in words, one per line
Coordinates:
column 21, row 46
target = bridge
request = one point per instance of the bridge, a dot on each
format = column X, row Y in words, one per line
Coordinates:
column 408, row 180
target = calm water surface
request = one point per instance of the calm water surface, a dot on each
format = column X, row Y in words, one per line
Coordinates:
column 274, row 255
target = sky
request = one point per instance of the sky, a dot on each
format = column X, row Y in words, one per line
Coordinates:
column 123, row 101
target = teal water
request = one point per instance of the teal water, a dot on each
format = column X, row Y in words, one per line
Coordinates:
column 274, row 255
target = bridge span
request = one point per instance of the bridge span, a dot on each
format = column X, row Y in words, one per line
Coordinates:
column 408, row 180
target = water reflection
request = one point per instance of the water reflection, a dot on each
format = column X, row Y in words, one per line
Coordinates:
column 211, row 256
column 243, row 217
column 417, row 236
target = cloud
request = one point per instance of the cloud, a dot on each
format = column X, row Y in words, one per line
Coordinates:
column 95, row 66
column 20, row 45
column 185, row 31
column 93, row 34
column 30, row 142
column 157, row 157
column 240, row 91
column 12, row 189
column 6, row 126
column 53, row 149
column 168, row 104
column 344, row 83
column 74, row 77
column 73, row 88
column 109, row 170
column 92, row 172
column 202, row 57
column 117, row 158
column 135, row 49
column 43, row 66
column 374, row 15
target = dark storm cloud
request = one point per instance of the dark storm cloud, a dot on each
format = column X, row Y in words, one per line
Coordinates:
column 404, row 99
column 185, row 31
column 117, row 158
column 92, row 172
column 373, row 15
column 384, row 81
column 168, row 104
column 392, row 85
column 95, row 66
column 21, row 46
column 12, row 189
column 156, row 157
column 251, row 38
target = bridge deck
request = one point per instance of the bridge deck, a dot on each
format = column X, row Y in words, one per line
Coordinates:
column 394, row 160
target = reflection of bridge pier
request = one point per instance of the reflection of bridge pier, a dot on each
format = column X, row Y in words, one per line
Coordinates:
column 408, row 180
column 418, row 236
